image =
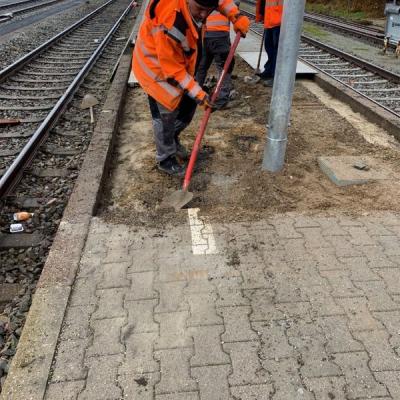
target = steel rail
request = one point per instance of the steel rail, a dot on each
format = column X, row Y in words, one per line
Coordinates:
column 14, row 173
column 21, row 62
column 16, row 4
column 390, row 76
column 30, row 8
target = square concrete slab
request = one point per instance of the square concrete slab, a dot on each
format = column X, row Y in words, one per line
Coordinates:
column 249, row 49
column 341, row 171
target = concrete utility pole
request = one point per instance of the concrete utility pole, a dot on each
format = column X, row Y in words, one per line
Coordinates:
column 282, row 92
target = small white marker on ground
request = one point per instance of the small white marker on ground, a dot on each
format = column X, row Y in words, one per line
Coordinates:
column 203, row 241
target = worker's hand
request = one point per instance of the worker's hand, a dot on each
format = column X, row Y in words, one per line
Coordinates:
column 242, row 25
column 207, row 103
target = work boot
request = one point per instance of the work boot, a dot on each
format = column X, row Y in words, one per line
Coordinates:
column 171, row 166
column 181, row 151
column 268, row 82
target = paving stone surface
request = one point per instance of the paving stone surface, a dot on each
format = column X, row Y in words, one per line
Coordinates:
column 289, row 308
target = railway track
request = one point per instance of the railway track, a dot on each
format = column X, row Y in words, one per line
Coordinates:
column 10, row 10
column 35, row 90
column 370, row 81
column 365, row 32
column 46, row 149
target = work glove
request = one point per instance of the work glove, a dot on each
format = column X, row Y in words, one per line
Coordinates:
column 207, row 103
column 242, row 25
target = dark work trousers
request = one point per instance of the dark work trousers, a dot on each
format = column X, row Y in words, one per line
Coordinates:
column 167, row 125
column 216, row 48
column 271, row 42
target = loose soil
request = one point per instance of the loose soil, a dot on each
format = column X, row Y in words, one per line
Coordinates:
column 229, row 184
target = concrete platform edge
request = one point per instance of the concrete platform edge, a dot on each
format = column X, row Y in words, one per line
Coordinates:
column 372, row 112
column 30, row 368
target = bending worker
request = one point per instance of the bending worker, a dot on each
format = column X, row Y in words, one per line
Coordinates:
column 165, row 58
column 217, row 44
column 270, row 11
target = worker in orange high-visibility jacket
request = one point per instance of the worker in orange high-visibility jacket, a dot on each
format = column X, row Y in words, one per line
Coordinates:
column 216, row 48
column 270, row 12
column 166, row 55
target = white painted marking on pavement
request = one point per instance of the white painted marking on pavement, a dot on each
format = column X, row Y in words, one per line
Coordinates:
column 203, row 240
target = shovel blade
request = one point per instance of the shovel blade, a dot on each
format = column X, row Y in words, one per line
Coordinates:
column 177, row 199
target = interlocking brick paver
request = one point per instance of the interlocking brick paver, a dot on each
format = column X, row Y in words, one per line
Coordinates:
column 70, row 366
column 359, row 269
column 172, row 298
column 360, row 236
column 213, row 381
column 114, row 275
column 141, row 286
column 247, row 369
column 391, row 379
column 338, row 335
column 76, row 322
column 202, row 309
column 110, row 304
column 263, row 305
column 106, row 337
column 175, row 371
column 141, row 316
column 237, row 324
column 341, row 284
column 139, row 352
column 309, row 343
column 229, row 297
column 173, row 332
column 101, row 383
column 391, row 276
column 84, row 292
column 274, row 343
column 64, row 390
column 378, row 298
column 252, row 392
column 391, row 244
column 360, row 381
column 391, row 321
column 296, row 307
column 207, row 346
column 360, row 318
column 286, row 379
column 138, row 386
column 327, row 388
column 378, row 347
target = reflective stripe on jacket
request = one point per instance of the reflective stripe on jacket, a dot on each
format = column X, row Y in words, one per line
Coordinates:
column 217, row 21
column 164, row 58
column 270, row 12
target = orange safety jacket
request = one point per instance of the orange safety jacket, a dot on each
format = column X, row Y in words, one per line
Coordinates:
column 217, row 21
column 269, row 11
column 165, row 53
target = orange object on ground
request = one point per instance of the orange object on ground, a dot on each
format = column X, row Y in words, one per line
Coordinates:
column 165, row 54
column 270, row 12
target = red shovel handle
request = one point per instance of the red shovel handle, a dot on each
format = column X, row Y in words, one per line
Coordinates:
column 206, row 117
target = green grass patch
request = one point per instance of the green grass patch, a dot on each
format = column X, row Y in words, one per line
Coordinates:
column 358, row 16
column 314, row 31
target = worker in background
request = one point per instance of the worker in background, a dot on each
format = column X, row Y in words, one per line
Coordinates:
column 166, row 55
column 217, row 44
column 270, row 12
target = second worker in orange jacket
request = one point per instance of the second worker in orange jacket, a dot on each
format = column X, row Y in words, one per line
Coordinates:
column 217, row 44
column 166, row 55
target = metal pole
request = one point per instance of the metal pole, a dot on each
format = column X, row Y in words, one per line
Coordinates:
column 282, row 92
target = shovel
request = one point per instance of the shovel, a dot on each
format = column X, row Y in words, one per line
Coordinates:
column 180, row 198
column 257, row 71
column 89, row 101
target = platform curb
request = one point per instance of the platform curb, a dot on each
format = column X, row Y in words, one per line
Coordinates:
column 30, row 367
column 372, row 112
